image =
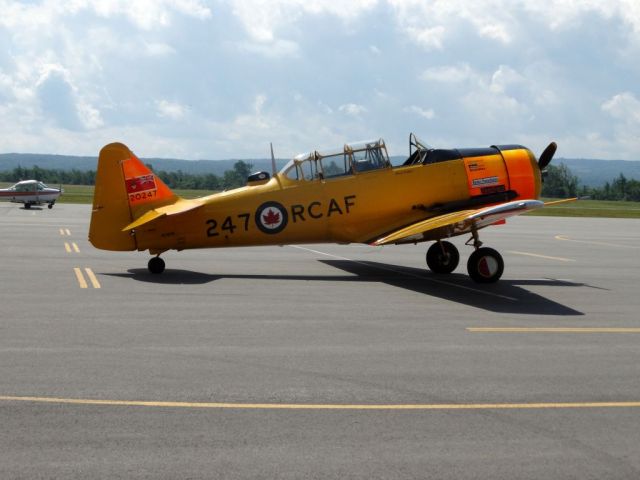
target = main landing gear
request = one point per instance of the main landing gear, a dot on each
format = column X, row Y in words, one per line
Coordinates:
column 485, row 265
column 156, row 265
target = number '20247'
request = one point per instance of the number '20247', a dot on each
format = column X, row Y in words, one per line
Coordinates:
column 134, row 197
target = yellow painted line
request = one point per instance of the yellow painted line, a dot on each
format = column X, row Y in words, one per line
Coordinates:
column 591, row 242
column 81, row 281
column 547, row 257
column 552, row 330
column 61, row 232
column 303, row 406
column 68, row 232
column 92, row 278
column 68, row 246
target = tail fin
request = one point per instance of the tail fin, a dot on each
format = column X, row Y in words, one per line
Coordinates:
column 125, row 189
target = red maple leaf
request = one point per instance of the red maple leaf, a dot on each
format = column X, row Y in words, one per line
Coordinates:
column 271, row 218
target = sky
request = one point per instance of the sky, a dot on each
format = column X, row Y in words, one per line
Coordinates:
column 214, row 79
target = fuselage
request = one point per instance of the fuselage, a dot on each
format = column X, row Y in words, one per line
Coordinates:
column 354, row 207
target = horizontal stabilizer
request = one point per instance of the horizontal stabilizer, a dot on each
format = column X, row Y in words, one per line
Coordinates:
column 181, row 206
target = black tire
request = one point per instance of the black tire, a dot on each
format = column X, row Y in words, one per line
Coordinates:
column 485, row 265
column 27, row 206
column 443, row 257
column 156, row 265
column 50, row 206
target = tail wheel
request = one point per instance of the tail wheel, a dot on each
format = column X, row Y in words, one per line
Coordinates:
column 485, row 265
column 443, row 257
column 156, row 265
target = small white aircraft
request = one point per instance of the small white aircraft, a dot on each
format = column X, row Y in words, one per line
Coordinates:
column 31, row 192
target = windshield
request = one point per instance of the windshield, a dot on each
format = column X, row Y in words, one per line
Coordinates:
column 352, row 158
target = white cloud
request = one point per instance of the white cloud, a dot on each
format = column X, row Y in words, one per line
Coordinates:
column 352, row 109
column 262, row 18
column 172, row 110
column 428, row 114
column 75, row 73
column 275, row 48
column 429, row 23
column 145, row 14
column 61, row 103
column 158, row 49
column 449, row 73
column 504, row 77
column 90, row 116
column 623, row 106
column 427, row 37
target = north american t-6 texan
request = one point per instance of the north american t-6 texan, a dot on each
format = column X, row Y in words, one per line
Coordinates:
column 349, row 195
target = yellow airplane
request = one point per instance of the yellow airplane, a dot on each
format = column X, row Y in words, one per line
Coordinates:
column 350, row 195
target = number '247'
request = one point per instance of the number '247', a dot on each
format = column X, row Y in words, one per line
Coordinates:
column 228, row 225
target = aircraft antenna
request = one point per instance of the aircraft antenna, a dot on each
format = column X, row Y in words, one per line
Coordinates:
column 273, row 160
column 273, row 165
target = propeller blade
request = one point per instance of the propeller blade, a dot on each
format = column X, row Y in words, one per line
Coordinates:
column 547, row 155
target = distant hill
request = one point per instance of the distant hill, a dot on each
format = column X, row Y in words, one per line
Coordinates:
column 9, row 161
column 592, row 173
column 595, row 173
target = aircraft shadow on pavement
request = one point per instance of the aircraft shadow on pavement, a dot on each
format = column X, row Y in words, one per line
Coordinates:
column 505, row 296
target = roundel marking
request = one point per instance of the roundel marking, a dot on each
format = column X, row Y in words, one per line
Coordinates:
column 271, row 217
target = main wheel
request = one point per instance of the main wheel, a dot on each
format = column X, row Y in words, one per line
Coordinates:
column 485, row 265
column 50, row 206
column 443, row 257
column 156, row 265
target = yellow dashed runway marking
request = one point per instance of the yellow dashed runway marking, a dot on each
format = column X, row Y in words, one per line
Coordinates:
column 299, row 406
column 92, row 278
column 71, row 246
column 81, row 280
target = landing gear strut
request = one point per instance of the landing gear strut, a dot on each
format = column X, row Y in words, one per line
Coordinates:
column 156, row 265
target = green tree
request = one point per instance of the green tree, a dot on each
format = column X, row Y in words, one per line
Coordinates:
column 559, row 182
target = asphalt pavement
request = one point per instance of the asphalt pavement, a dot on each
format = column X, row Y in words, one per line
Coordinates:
column 319, row 361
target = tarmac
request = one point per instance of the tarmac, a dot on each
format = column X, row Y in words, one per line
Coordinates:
column 319, row 361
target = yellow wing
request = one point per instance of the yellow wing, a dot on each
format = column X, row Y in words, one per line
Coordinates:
column 457, row 223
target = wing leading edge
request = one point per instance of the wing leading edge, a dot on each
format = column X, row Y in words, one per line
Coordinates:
column 457, row 223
